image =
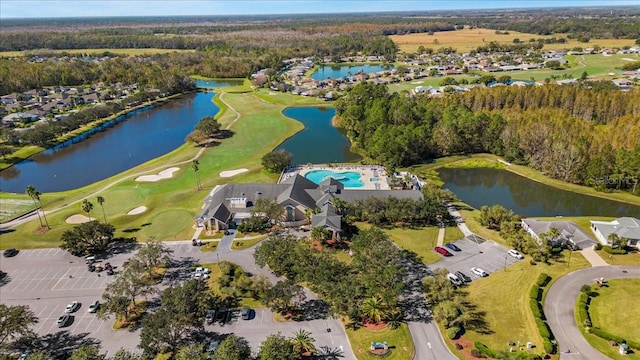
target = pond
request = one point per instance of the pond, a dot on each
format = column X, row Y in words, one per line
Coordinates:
column 145, row 135
column 478, row 187
column 343, row 71
column 319, row 142
column 216, row 83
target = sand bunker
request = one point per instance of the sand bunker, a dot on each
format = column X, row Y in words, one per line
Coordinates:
column 78, row 219
column 164, row 174
column 138, row 210
column 230, row 173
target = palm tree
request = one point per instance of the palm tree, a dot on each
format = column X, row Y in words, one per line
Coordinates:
column 195, row 165
column 374, row 309
column 616, row 241
column 100, row 201
column 302, row 341
column 87, row 206
column 35, row 196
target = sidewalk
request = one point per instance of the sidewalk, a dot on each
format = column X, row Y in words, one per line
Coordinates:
column 441, row 236
column 592, row 257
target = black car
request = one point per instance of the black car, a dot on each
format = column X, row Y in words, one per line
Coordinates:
column 464, row 277
column 211, row 315
column 452, row 247
column 10, row 252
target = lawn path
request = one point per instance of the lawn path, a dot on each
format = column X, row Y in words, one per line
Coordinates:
column 32, row 215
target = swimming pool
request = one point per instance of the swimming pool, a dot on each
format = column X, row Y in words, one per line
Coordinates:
column 374, row 180
column 350, row 179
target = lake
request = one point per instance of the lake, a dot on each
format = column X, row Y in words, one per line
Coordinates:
column 326, row 71
column 478, row 187
column 145, row 135
column 319, row 141
column 209, row 84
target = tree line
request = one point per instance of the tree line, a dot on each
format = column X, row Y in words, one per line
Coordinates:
column 575, row 134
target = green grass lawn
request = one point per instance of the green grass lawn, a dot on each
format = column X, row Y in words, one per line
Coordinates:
column 617, row 309
column 13, row 205
column 244, row 244
column 260, row 129
column 418, row 240
column 399, row 339
column 215, row 287
column 628, row 259
column 452, row 234
column 504, row 297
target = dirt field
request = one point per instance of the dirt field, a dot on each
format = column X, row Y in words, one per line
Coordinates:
column 467, row 39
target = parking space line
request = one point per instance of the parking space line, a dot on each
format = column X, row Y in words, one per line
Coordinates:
column 44, row 278
column 61, row 278
column 93, row 317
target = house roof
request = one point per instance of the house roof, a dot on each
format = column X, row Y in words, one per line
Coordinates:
column 626, row 227
column 327, row 218
column 568, row 230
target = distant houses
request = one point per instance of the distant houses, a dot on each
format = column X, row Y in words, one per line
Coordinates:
column 624, row 227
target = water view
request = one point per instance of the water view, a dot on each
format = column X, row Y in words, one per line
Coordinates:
column 319, row 141
column 145, row 135
column 209, row 84
column 334, row 72
column 478, row 187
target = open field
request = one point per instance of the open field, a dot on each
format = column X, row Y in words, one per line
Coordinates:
column 418, row 240
column 399, row 339
column 260, row 129
column 606, row 309
column 504, row 297
column 130, row 52
column 468, row 39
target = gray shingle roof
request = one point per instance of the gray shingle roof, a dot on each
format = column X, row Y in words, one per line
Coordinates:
column 567, row 229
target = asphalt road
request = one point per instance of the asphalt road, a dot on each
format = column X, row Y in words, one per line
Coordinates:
column 48, row 279
column 559, row 309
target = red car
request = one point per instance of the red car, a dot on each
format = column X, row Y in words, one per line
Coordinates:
column 442, row 251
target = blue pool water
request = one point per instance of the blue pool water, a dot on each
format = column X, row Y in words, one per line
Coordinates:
column 350, row 179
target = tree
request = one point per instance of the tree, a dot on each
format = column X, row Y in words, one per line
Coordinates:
column 121, row 294
column 302, row 342
column 15, row 322
column 276, row 161
column 233, row 348
column 320, row 233
column 151, row 255
column 191, row 352
column 209, row 126
column 617, row 241
column 87, row 206
column 438, row 288
column 124, row 354
column 87, row 352
column 88, row 238
column 195, row 165
column 277, row 347
column 269, row 208
column 100, row 201
column 4, row 151
column 35, row 196
column 284, row 296
column 374, row 309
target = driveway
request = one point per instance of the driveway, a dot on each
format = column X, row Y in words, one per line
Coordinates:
column 48, row 279
column 560, row 303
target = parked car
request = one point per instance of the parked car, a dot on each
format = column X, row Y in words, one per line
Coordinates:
column 211, row 315
column 10, row 252
column 25, row 355
column 245, row 313
column 72, row 307
column 94, row 306
column 90, row 259
column 462, row 276
column 479, row 272
column 211, row 349
column 452, row 247
column 442, row 251
column 200, row 276
column 202, row 270
column 63, row 320
column 454, row 279
column 515, row 254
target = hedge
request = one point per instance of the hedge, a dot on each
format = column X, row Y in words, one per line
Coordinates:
column 583, row 314
column 597, row 247
column 543, row 329
column 535, row 308
column 549, row 348
column 484, row 349
column 608, row 249
column 607, row 336
column 634, row 345
column 583, row 298
column 453, row 332
column 543, row 280
column 535, row 293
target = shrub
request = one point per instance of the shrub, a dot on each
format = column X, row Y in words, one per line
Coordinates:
column 585, row 289
column 453, row 332
column 606, row 335
column 484, row 349
column 476, row 353
column 459, row 346
column 583, row 314
column 535, row 293
column 608, row 249
column 532, row 262
column 549, row 348
column 556, row 250
column 597, row 247
column 543, row 329
column 535, row 308
column 583, row 298
column 633, row 344
column 543, row 280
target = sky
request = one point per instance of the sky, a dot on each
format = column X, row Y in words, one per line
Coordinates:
column 74, row 8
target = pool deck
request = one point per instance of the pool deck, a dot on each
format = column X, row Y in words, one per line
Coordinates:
column 367, row 172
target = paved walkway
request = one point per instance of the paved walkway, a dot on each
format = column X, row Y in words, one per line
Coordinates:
column 592, row 257
column 441, row 236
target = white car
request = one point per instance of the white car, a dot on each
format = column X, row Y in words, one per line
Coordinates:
column 202, row 270
column 199, row 275
column 479, row 272
column 454, row 279
column 73, row 306
column 515, row 254
column 93, row 308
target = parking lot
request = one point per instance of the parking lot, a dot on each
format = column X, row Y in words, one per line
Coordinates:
column 476, row 252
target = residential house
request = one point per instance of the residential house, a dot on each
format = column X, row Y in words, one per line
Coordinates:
column 297, row 195
column 569, row 232
column 19, row 117
column 624, row 227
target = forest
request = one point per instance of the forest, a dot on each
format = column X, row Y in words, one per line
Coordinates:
column 572, row 133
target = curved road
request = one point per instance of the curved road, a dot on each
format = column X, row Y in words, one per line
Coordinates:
column 560, row 303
